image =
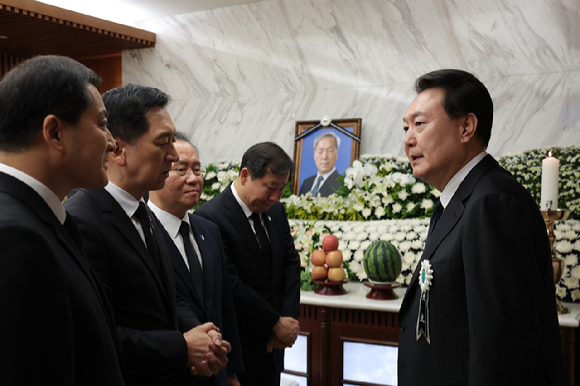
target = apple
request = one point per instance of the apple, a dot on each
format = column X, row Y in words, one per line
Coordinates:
column 330, row 243
column 318, row 257
column 334, row 259
column 318, row 273
column 335, row 274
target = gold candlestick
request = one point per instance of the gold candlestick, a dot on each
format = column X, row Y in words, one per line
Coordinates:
column 558, row 265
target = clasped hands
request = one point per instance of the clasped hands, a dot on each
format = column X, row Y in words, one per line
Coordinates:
column 206, row 350
column 284, row 333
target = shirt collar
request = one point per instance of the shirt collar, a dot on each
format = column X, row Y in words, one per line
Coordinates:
column 245, row 208
column 457, row 179
column 325, row 176
column 43, row 191
column 126, row 200
column 170, row 222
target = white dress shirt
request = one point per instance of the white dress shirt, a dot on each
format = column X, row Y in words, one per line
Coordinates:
column 172, row 224
column 248, row 212
column 43, row 191
column 457, row 179
column 129, row 205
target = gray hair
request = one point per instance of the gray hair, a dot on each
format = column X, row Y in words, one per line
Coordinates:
column 328, row 134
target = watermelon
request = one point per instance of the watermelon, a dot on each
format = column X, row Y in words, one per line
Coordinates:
column 382, row 262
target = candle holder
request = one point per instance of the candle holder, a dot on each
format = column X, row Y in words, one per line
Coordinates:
column 558, row 265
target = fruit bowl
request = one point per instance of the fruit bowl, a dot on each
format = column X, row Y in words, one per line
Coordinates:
column 330, row 288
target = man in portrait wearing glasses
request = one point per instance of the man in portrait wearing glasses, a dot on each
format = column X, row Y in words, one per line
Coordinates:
column 156, row 326
column 197, row 255
column 325, row 182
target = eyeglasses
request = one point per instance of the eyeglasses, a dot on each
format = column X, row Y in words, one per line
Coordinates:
column 183, row 171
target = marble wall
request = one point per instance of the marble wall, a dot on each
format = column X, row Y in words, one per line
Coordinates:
column 244, row 74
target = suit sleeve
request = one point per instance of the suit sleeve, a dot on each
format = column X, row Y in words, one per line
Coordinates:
column 152, row 353
column 291, row 300
column 36, row 324
column 507, row 267
column 229, row 319
column 247, row 301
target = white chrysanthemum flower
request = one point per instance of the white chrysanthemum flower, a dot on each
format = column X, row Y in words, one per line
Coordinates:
column 374, row 201
column 408, row 279
column 386, row 237
column 436, row 193
column 563, row 246
column 359, row 206
column 571, row 260
column 418, row 188
column 577, row 245
column 210, row 175
column 427, row 204
column 364, row 245
column 373, row 236
column 575, row 272
column 575, row 294
column 387, row 200
column 353, row 245
column 571, row 283
column 403, row 195
column 410, row 206
column 366, row 212
column 362, row 236
column 404, row 246
column 380, row 212
column 346, row 254
column 397, row 207
column 342, row 245
column 222, row 188
column 216, row 186
column 417, row 244
column 411, row 235
column 358, row 255
column 400, row 236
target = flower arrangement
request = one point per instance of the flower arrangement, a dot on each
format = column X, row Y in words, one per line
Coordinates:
column 526, row 167
column 383, row 191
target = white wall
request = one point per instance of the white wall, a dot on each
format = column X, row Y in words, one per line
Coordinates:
column 245, row 74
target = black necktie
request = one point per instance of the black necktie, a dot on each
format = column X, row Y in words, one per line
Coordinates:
column 194, row 265
column 435, row 215
column 316, row 187
column 145, row 220
column 263, row 240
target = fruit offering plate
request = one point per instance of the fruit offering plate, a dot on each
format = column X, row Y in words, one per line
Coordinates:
column 330, row 288
column 382, row 291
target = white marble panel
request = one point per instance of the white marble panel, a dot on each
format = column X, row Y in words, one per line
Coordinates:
column 244, row 74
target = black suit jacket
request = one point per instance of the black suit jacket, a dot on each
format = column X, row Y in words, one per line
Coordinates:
column 260, row 297
column 492, row 307
column 217, row 306
column 144, row 299
column 330, row 185
column 56, row 325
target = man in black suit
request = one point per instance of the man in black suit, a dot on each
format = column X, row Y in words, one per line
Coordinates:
column 125, row 246
column 263, row 265
column 56, row 325
column 199, row 262
column 480, row 308
column 325, row 182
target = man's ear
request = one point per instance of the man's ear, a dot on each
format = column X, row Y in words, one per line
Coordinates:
column 244, row 176
column 118, row 154
column 52, row 132
column 469, row 127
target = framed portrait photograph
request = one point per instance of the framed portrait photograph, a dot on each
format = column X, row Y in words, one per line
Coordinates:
column 323, row 150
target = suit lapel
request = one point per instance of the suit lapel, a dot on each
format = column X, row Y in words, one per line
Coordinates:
column 123, row 224
column 36, row 203
column 238, row 218
column 452, row 213
column 206, row 250
column 275, row 244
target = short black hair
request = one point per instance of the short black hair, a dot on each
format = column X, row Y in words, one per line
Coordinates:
column 126, row 109
column 39, row 87
column 266, row 157
column 464, row 94
column 181, row 136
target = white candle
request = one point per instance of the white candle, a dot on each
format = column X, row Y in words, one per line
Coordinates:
column 549, row 197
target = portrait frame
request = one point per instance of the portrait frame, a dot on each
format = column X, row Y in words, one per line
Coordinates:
column 349, row 131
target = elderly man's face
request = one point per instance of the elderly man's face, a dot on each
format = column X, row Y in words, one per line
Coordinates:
column 325, row 155
column 432, row 139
